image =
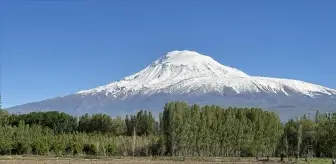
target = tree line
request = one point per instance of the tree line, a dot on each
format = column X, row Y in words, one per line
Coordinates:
column 180, row 130
column 60, row 122
column 310, row 136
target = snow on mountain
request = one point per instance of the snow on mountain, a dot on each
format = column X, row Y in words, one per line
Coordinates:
column 190, row 76
column 189, row 71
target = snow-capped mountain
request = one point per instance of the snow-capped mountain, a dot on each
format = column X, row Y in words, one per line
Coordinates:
column 195, row 78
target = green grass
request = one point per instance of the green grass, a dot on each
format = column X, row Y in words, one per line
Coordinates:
column 149, row 160
column 321, row 161
column 313, row 161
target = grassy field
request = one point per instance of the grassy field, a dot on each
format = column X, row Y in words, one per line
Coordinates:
column 140, row 160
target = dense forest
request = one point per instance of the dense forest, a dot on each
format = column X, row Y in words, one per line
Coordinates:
column 180, row 130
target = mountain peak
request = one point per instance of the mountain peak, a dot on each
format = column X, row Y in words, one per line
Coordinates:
column 191, row 64
column 184, row 53
column 184, row 57
column 173, row 68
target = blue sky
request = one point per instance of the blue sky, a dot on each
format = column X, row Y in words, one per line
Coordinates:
column 54, row 48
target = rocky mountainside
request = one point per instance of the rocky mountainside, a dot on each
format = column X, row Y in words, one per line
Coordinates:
column 195, row 78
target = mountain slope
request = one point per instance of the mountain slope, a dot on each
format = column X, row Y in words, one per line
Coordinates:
column 196, row 78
